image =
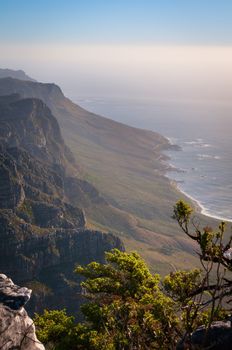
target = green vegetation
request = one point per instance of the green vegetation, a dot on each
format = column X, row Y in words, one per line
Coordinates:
column 26, row 211
column 55, row 328
column 131, row 308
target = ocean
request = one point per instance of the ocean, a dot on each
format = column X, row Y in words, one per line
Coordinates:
column 202, row 169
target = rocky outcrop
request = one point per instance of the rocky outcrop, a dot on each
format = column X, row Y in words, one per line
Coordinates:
column 11, row 295
column 17, row 330
column 217, row 337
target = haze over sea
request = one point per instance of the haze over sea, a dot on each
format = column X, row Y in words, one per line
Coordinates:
column 183, row 92
column 159, row 65
column 202, row 130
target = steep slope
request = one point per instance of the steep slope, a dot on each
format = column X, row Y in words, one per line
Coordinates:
column 42, row 234
column 127, row 166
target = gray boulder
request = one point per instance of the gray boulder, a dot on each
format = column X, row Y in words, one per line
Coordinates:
column 12, row 295
column 17, row 330
column 217, row 337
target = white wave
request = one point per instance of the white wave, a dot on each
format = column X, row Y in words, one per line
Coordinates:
column 198, row 143
column 205, row 145
column 208, row 156
column 191, row 143
column 172, row 140
column 205, row 211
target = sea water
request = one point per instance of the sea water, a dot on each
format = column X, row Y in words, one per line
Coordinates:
column 203, row 130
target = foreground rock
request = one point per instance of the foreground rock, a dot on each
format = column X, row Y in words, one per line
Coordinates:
column 218, row 337
column 11, row 295
column 17, row 330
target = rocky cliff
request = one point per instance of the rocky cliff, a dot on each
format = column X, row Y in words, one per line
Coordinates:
column 43, row 235
column 30, row 125
column 17, row 330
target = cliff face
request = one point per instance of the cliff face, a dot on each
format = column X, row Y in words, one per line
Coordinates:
column 43, row 235
column 44, row 259
column 16, row 327
column 29, row 124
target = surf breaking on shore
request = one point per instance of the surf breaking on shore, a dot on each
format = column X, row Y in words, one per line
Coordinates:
column 198, row 205
column 203, row 209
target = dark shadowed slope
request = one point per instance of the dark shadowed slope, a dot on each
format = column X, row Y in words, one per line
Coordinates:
column 42, row 235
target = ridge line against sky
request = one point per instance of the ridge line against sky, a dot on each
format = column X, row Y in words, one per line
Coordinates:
column 151, row 48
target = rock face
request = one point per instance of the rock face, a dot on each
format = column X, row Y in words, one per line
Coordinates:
column 29, row 124
column 44, row 259
column 17, row 330
column 11, row 295
column 43, row 232
column 218, row 337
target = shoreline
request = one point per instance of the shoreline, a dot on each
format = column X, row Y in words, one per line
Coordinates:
column 199, row 206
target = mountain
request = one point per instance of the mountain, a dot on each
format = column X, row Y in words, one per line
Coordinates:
column 43, row 235
column 128, row 167
column 36, row 130
column 17, row 74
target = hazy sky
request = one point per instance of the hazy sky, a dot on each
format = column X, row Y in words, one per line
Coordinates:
column 163, row 48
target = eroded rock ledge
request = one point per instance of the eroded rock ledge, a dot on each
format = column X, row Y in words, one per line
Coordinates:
column 17, row 330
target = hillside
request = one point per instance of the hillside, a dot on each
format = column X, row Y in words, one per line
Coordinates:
column 127, row 166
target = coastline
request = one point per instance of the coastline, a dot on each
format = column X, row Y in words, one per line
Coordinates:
column 199, row 207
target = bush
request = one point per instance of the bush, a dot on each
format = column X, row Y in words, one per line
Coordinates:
column 130, row 308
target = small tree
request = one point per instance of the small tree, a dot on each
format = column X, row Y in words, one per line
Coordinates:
column 208, row 300
column 127, row 307
column 215, row 254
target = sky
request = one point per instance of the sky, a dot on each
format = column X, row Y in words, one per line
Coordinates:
column 167, row 48
column 206, row 22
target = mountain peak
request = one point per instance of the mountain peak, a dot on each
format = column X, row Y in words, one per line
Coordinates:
column 28, row 123
column 16, row 74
